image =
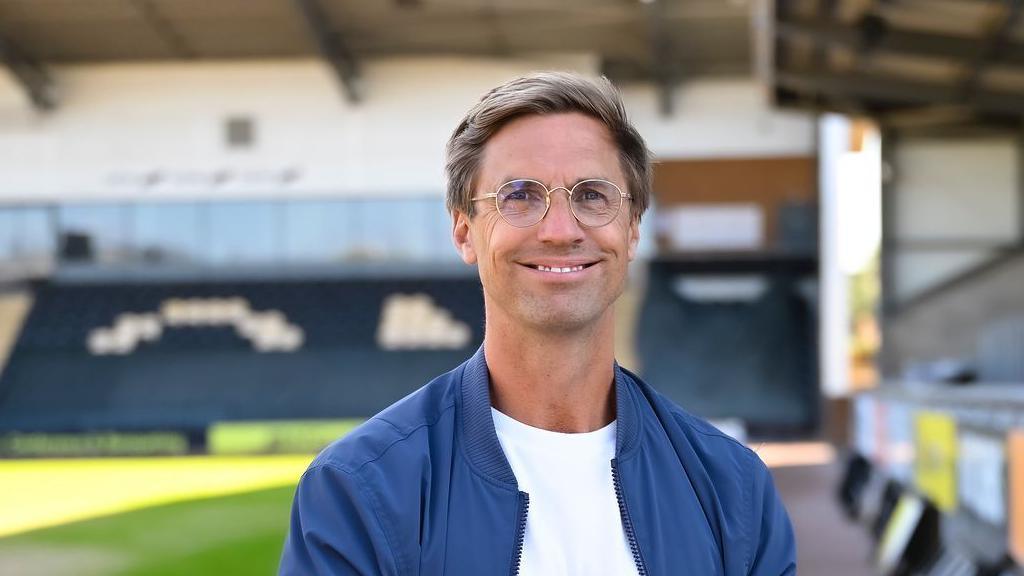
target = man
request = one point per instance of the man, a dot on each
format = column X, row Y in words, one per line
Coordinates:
column 539, row 455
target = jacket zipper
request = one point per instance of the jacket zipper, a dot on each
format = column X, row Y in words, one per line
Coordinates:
column 627, row 524
column 517, row 556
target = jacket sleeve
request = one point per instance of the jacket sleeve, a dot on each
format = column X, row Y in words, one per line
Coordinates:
column 335, row 528
column 772, row 544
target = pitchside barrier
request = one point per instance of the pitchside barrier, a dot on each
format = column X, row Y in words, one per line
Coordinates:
column 221, row 438
column 936, row 474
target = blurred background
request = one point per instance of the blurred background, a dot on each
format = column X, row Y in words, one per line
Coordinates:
column 223, row 243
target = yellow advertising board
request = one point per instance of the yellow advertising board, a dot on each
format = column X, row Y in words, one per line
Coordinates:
column 1015, row 469
column 935, row 458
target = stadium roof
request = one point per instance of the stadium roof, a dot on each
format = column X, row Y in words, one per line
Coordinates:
column 665, row 41
column 910, row 63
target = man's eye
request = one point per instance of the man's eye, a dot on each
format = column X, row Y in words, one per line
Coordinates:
column 592, row 196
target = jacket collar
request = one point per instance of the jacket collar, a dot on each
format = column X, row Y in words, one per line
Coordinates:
column 477, row 426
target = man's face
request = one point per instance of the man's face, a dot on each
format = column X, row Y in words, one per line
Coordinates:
column 557, row 150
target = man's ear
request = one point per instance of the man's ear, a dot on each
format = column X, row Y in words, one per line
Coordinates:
column 462, row 237
column 634, row 237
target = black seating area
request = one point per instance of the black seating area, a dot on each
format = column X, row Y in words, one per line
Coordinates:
column 754, row 360
column 750, row 360
column 194, row 375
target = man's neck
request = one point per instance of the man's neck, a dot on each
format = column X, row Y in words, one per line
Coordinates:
column 562, row 382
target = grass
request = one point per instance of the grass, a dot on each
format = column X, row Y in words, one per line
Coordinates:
column 276, row 437
column 42, row 493
column 146, row 516
column 235, row 534
column 185, row 515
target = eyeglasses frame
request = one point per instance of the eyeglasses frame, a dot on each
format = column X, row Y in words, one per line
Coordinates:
column 547, row 200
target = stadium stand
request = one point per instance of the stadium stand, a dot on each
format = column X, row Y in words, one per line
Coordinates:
column 205, row 368
column 14, row 305
column 738, row 342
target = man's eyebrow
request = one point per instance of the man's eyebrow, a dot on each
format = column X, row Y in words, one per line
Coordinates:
column 509, row 178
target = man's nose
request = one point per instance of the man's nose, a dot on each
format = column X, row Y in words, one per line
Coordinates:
column 559, row 225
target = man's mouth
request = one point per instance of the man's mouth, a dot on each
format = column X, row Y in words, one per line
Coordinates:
column 561, row 269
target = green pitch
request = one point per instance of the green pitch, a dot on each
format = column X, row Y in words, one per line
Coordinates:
column 222, row 514
column 37, row 494
column 236, row 534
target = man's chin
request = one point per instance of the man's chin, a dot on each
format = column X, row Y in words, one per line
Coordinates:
column 560, row 320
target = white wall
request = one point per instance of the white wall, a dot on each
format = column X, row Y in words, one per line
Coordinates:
column 719, row 118
column 959, row 190
column 137, row 131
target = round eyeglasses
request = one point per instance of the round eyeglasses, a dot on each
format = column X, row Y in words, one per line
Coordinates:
column 523, row 203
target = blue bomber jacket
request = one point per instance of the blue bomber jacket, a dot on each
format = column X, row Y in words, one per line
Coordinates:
column 423, row 488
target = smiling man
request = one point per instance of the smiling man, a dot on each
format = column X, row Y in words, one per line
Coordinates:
column 540, row 455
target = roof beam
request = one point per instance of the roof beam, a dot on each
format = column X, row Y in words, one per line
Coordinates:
column 333, row 48
column 990, row 47
column 167, row 33
column 32, row 76
column 661, row 54
column 779, row 51
column 826, row 10
column 861, row 86
column 872, row 33
column 929, row 117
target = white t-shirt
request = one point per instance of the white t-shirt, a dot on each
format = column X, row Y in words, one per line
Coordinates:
column 573, row 525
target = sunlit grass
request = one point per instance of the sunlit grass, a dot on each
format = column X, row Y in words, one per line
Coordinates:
column 236, row 534
column 40, row 493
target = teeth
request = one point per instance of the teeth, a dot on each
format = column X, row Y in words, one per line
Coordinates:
column 559, row 270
